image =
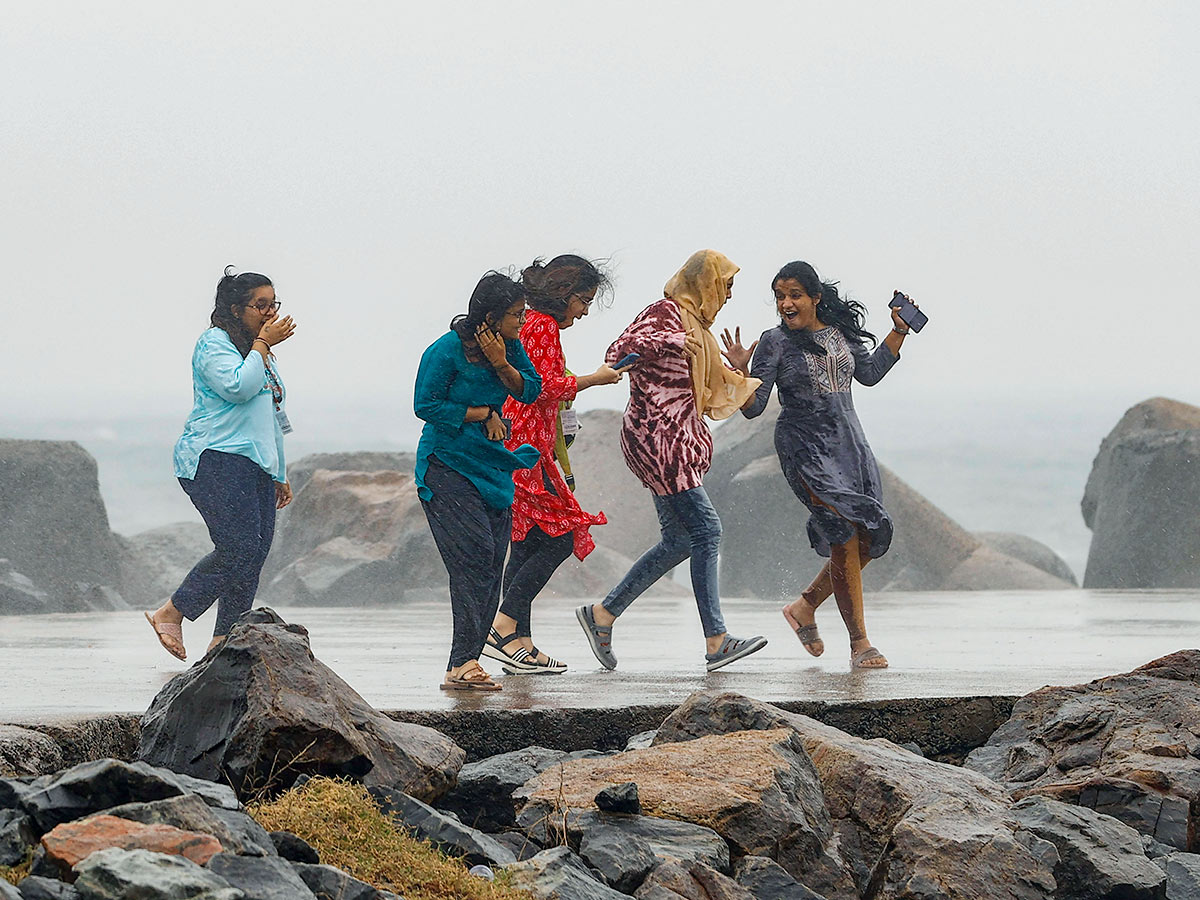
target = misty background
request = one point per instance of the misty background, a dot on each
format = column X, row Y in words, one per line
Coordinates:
column 1029, row 173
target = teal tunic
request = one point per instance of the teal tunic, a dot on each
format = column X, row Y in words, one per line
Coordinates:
column 447, row 384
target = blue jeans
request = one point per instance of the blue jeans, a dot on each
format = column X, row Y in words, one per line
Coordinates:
column 690, row 528
column 237, row 500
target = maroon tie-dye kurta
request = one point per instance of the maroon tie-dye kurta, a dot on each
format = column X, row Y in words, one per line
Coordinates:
column 666, row 443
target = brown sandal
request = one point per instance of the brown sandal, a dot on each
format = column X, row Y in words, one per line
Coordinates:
column 867, row 659
column 164, row 630
column 808, row 634
column 472, row 679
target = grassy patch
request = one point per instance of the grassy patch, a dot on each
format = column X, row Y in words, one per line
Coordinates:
column 343, row 823
column 14, row 874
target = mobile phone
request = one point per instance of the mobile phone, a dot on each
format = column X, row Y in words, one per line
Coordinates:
column 913, row 317
column 627, row 360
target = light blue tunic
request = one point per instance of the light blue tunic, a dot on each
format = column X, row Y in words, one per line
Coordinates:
column 233, row 412
column 447, row 384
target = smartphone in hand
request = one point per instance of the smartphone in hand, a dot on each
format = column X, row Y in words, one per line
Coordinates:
column 627, row 360
column 913, row 317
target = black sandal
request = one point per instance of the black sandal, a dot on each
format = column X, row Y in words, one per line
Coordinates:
column 520, row 662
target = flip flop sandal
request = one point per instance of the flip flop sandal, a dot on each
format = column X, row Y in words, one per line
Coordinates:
column 520, row 662
column 733, row 649
column 475, row 679
column 168, row 630
column 599, row 637
column 857, row 659
column 808, row 634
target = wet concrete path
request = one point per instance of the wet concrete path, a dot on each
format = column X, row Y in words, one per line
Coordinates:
column 939, row 644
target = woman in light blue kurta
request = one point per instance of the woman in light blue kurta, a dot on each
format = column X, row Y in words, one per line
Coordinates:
column 229, row 459
column 813, row 356
column 464, row 471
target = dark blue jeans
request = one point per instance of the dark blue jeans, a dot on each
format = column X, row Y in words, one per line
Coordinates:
column 237, row 500
column 472, row 538
column 690, row 528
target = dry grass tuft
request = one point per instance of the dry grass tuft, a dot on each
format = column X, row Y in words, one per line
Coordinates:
column 15, row 874
column 343, row 823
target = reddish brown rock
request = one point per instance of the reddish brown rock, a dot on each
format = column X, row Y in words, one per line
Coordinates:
column 72, row 842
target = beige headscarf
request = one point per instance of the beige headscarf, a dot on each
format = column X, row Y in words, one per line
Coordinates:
column 698, row 289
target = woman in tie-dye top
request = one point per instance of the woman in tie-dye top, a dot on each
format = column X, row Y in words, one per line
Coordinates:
column 679, row 378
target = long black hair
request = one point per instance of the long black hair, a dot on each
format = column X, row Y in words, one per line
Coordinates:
column 833, row 309
column 235, row 290
column 552, row 285
column 490, row 300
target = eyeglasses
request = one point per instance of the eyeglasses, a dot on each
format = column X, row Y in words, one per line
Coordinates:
column 520, row 317
column 267, row 307
column 586, row 301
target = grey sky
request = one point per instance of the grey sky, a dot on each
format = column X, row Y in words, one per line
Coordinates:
column 1030, row 172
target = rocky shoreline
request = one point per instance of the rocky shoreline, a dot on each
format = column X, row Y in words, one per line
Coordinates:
column 1067, row 793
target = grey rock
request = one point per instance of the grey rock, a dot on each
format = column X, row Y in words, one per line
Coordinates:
column 641, row 740
column 1030, row 551
column 1119, row 745
column 668, row 839
column 1155, row 414
column 620, row 798
column 767, row 880
column 53, row 525
column 301, row 471
column 328, row 883
column 1143, row 531
column 483, row 796
column 262, row 709
column 92, row 787
column 8, row 892
column 1183, row 875
column 294, row 848
column 694, row 881
column 1098, row 856
column 37, row 888
column 448, row 835
column 115, row 874
column 261, row 877
column 17, row 837
column 623, row 860
column 249, row 838
column 522, row 846
column 558, row 874
column 19, row 596
column 1154, row 849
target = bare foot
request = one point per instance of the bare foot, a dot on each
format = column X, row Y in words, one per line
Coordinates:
column 803, row 620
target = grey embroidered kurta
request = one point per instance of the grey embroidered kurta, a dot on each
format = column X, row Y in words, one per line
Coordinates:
column 822, row 450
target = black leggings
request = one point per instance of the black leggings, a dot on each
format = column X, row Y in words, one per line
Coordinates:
column 531, row 562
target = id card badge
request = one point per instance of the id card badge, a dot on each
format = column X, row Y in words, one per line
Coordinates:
column 570, row 421
column 285, row 424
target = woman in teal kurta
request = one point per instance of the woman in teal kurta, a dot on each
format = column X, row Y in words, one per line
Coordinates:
column 464, row 471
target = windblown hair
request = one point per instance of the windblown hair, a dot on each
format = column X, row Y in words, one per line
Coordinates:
column 235, row 291
column 490, row 300
column 551, row 285
column 843, row 313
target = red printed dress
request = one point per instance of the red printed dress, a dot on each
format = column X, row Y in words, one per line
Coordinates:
column 555, row 512
column 665, row 442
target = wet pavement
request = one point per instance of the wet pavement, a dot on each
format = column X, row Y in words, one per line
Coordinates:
column 940, row 645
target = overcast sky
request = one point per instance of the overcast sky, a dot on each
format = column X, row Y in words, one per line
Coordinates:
column 1029, row 172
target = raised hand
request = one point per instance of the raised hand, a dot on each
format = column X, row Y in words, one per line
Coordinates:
column 901, row 327
column 606, row 374
column 276, row 330
column 491, row 345
column 738, row 356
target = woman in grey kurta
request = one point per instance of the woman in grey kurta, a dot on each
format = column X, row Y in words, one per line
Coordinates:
column 814, row 355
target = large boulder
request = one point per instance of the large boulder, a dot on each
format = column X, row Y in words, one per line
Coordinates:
column 1145, row 533
column 156, row 561
column 352, row 538
column 261, row 710
column 54, row 530
column 905, row 826
column 116, row 874
column 1155, row 414
column 1125, row 745
column 765, row 549
column 757, row 789
column 1029, row 550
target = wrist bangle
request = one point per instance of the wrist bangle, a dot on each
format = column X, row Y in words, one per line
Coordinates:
column 260, row 341
column 901, row 333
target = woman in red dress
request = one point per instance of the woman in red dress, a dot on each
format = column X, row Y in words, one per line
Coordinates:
column 548, row 523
